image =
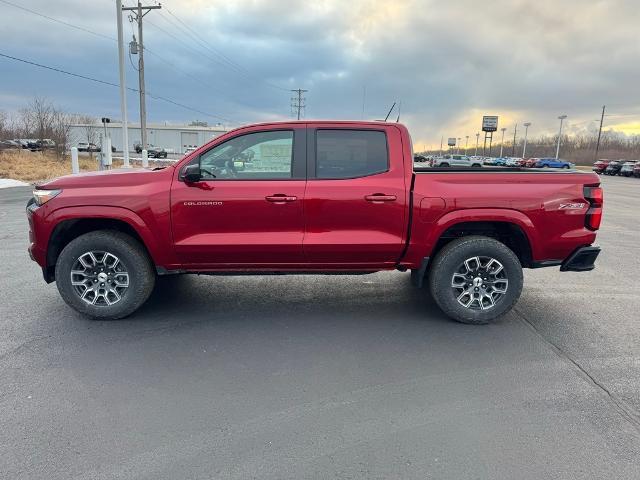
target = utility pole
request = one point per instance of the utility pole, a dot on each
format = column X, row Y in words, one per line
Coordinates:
column 138, row 15
column 441, row 139
column 123, row 87
column 595, row 157
column 561, row 118
column 466, row 145
column 503, row 129
column 477, row 140
column 297, row 102
column 526, row 129
column 513, row 148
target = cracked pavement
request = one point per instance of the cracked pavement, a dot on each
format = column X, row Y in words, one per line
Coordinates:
column 324, row 376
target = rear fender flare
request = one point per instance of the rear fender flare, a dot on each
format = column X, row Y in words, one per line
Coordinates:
column 504, row 215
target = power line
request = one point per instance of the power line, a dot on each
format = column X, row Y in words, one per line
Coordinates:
column 111, row 84
column 228, row 61
column 86, row 30
column 107, row 37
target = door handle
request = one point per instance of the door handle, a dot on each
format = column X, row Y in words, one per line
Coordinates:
column 280, row 198
column 380, row 197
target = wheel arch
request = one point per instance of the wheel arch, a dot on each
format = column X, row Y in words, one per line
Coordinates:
column 511, row 227
column 67, row 228
column 508, row 233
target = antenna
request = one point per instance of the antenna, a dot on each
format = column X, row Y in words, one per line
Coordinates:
column 390, row 110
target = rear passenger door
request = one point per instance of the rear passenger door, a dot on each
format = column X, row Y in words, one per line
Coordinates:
column 355, row 201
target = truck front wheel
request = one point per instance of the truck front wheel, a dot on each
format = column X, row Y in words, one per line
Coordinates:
column 475, row 279
column 104, row 274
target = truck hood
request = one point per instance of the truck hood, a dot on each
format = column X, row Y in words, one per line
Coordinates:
column 105, row 178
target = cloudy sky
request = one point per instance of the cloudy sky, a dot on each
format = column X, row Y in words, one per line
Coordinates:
column 447, row 61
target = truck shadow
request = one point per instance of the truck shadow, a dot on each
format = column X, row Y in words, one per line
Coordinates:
column 229, row 298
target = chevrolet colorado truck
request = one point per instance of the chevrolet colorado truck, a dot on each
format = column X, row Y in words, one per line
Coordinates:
column 312, row 197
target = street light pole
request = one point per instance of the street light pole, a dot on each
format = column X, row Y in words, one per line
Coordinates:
column 561, row 118
column 503, row 129
column 477, row 140
column 466, row 145
column 459, row 144
column 526, row 129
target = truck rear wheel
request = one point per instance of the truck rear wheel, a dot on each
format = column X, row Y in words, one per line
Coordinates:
column 475, row 279
column 104, row 274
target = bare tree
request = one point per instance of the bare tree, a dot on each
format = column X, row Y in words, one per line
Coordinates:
column 60, row 129
column 4, row 125
column 42, row 113
column 25, row 124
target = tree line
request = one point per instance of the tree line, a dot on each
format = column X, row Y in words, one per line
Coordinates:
column 41, row 119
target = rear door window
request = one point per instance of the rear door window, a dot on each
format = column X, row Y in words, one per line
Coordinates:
column 350, row 153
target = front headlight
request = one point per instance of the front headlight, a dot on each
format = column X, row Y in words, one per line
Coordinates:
column 43, row 196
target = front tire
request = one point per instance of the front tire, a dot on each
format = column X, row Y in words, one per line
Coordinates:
column 104, row 274
column 476, row 279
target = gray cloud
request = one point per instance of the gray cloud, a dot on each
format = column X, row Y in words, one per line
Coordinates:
column 447, row 61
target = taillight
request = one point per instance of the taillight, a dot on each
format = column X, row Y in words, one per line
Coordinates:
column 595, row 197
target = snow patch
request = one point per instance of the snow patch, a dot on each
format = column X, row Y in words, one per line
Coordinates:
column 8, row 182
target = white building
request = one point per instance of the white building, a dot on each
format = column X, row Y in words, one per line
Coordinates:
column 174, row 138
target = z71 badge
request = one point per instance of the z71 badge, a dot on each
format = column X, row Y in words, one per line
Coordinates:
column 572, row 206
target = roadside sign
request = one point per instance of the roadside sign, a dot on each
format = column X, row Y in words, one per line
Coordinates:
column 451, row 142
column 489, row 123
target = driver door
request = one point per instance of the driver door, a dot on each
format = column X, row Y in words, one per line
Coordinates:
column 246, row 212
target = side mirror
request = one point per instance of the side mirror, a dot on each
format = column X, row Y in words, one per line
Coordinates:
column 191, row 174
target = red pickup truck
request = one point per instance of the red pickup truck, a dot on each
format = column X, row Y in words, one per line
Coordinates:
column 312, row 197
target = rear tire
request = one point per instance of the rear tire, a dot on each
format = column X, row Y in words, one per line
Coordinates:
column 490, row 290
column 104, row 274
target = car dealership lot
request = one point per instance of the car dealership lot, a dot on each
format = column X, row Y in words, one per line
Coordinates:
column 326, row 376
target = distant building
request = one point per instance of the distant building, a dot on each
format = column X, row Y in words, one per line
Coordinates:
column 175, row 138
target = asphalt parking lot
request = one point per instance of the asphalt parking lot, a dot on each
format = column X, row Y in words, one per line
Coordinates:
column 325, row 377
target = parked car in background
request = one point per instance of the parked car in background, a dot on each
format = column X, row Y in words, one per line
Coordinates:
column 600, row 165
column 496, row 161
column 88, row 147
column 46, row 143
column 627, row 168
column 531, row 162
column 156, row 152
column 636, row 170
column 6, row 144
column 455, row 161
column 613, row 168
column 419, row 158
column 552, row 163
column 513, row 162
column 152, row 150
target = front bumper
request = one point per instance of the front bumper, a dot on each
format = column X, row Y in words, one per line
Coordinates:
column 581, row 260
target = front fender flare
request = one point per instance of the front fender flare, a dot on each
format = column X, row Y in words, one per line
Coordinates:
column 150, row 241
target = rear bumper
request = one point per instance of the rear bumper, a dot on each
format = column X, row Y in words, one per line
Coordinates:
column 581, row 260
